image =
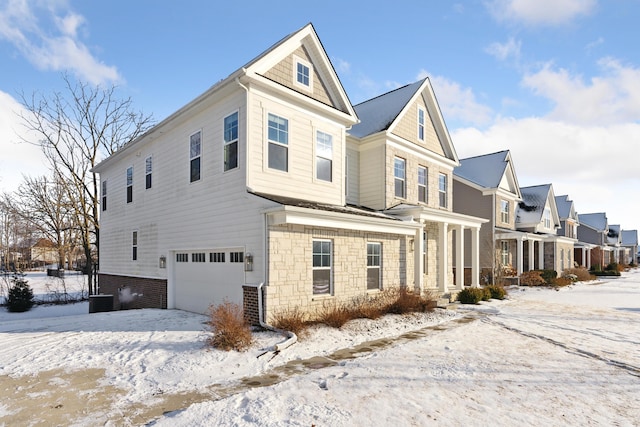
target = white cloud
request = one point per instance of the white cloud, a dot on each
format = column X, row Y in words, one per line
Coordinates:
column 456, row 102
column 504, row 51
column 56, row 48
column 17, row 159
column 540, row 12
column 613, row 97
column 595, row 165
column 342, row 66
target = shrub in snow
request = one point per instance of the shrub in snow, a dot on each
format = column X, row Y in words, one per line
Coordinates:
column 229, row 328
column 497, row 292
column 292, row 320
column 532, row 278
column 581, row 274
column 20, row 297
column 561, row 281
column 471, row 295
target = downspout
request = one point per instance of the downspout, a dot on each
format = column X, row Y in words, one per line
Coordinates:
column 291, row 337
column 246, row 129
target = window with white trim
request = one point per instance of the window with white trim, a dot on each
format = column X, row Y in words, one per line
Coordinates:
column 303, row 73
column 322, row 254
column 324, row 156
column 148, row 170
column 442, row 190
column 104, row 195
column 195, row 152
column 422, row 184
column 134, row 246
column 504, row 255
column 504, row 211
column 399, row 176
column 374, row 266
column 231, row 141
column 278, row 135
column 547, row 218
column 130, row 184
column 421, row 121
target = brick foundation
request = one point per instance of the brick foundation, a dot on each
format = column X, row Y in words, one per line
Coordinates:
column 133, row 292
column 250, row 304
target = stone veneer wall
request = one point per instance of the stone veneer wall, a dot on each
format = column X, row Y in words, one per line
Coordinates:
column 133, row 292
column 290, row 281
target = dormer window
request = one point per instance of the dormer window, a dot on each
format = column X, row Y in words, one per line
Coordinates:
column 302, row 73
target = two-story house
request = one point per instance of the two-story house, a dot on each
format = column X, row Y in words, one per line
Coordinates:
column 630, row 243
column 487, row 186
column 569, row 226
column 593, row 229
column 255, row 194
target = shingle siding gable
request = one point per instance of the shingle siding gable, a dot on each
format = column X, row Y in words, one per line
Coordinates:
column 407, row 128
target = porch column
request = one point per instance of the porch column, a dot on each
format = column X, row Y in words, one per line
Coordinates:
column 475, row 257
column 541, row 255
column 443, row 257
column 589, row 259
column 418, row 261
column 460, row 257
column 532, row 255
column 520, row 258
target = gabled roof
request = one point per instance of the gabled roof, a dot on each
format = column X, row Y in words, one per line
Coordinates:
column 597, row 221
column 629, row 237
column 565, row 207
column 613, row 235
column 489, row 171
column 534, row 200
column 383, row 113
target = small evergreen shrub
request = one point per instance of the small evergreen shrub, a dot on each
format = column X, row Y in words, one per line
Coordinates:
column 486, row 294
column 230, row 330
column 497, row 292
column 548, row 275
column 20, row 297
column 531, row 278
column 471, row 295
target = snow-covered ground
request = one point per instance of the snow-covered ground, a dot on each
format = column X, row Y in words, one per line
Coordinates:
column 542, row 357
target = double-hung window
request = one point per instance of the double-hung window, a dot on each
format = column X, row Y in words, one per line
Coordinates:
column 148, row 172
column 195, row 152
column 504, row 255
column 442, row 190
column 547, row 218
column 134, row 246
column 422, row 184
column 130, row 184
column 399, row 174
column 504, row 211
column 278, row 135
column 322, row 254
column 421, row 121
column 324, row 156
column 104, row 195
column 231, row 141
column 374, row 265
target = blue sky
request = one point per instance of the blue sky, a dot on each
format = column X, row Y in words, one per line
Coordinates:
column 555, row 81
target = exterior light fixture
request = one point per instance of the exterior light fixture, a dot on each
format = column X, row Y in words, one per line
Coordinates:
column 248, row 262
column 163, row 261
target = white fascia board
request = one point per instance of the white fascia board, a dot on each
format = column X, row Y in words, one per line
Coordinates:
column 325, row 219
column 518, row 235
column 434, row 215
column 416, row 150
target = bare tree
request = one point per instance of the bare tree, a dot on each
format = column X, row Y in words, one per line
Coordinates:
column 76, row 129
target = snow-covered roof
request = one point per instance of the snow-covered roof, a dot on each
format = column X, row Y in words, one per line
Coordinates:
column 534, row 200
column 597, row 221
column 486, row 170
column 378, row 113
column 613, row 235
column 629, row 237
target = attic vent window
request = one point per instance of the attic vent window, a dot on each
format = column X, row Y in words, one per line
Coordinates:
column 303, row 73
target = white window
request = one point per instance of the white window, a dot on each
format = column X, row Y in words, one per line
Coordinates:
column 130, row 184
column 422, row 184
column 421, row 120
column 322, row 254
column 148, row 171
column 547, row 218
column 504, row 211
column 442, row 190
column 104, row 195
column 374, row 265
column 504, row 256
column 399, row 169
column 195, row 151
column 134, row 246
column 278, row 135
column 303, row 73
column 324, row 155
column 231, row 141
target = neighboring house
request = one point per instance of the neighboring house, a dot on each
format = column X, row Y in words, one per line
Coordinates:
column 630, row 243
column 569, row 228
column 400, row 160
column 487, row 186
column 253, row 193
column 44, row 252
column 593, row 229
column 537, row 216
column 614, row 241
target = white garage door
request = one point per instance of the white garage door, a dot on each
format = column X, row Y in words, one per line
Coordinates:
column 208, row 277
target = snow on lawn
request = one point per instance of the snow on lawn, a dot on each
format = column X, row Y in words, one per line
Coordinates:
column 542, row 357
